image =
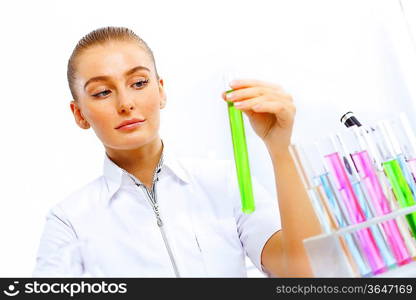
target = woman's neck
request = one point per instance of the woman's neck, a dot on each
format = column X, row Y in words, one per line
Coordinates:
column 139, row 162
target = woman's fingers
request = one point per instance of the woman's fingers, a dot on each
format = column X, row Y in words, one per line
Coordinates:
column 264, row 89
column 247, row 83
column 283, row 109
column 248, row 104
column 248, row 93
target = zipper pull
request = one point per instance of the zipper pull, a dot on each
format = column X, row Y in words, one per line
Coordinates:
column 159, row 219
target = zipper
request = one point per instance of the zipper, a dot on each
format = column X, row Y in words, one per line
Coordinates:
column 152, row 198
column 155, row 206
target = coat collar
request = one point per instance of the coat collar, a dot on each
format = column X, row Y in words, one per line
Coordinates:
column 115, row 176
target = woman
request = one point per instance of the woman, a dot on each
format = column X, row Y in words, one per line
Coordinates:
column 154, row 214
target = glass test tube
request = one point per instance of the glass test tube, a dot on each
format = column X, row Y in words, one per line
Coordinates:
column 362, row 195
column 392, row 139
column 309, row 166
column 355, row 212
column 379, row 202
column 405, row 135
column 338, row 209
column 315, row 194
column 365, row 139
column 241, row 157
column 394, row 173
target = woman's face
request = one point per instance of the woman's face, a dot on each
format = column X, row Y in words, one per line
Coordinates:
column 115, row 83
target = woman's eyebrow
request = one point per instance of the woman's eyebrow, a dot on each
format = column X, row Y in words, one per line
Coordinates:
column 98, row 78
column 135, row 69
column 127, row 73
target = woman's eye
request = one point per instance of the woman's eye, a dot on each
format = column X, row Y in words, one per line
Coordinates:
column 140, row 83
column 102, row 94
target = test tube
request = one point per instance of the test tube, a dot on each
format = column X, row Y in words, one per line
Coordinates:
column 315, row 191
column 322, row 177
column 316, row 180
column 392, row 139
column 363, row 197
column 351, row 202
column 364, row 136
column 394, row 173
column 407, row 140
column 377, row 198
column 241, row 156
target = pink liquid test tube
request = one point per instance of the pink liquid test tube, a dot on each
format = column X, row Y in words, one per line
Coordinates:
column 356, row 215
column 381, row 206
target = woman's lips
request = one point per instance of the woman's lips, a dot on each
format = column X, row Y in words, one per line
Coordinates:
column 130, row 125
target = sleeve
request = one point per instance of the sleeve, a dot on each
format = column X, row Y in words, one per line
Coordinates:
column 57, row 254
column 256, row 228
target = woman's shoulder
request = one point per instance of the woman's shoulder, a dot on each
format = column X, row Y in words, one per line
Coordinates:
column 82, row 199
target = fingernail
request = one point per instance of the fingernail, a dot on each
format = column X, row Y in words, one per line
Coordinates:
column 229, row 95
column 238, row 104
column 233, row 82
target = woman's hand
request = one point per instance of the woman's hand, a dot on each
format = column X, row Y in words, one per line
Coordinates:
column 270, row 110
column 271, row 113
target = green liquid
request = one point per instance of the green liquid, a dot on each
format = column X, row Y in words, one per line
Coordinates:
column 401, row 190
column 241, row 158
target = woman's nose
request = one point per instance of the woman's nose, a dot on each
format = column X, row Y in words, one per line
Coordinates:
column 125, row 104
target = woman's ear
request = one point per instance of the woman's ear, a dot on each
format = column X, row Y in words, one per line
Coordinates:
column 79, row 118
column 162, row 94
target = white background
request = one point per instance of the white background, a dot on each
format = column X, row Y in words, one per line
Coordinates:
column 332, row 56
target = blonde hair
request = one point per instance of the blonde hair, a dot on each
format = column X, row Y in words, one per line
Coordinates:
column 101, row 36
